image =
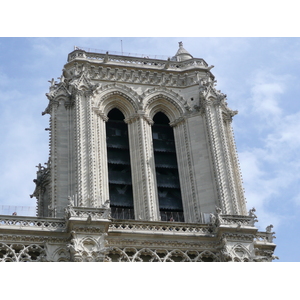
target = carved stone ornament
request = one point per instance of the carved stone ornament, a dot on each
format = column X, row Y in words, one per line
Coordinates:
column 87, row 248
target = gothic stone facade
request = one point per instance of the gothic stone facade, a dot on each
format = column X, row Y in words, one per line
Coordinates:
column 78, row 218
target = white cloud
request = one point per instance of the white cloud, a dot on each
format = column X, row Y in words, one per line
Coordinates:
column 265, row 100
column 286, row 133
column 296, row 199
column 269, row 158
column 271, row 171
column 266, row 91
column 260, row 186
column 3, row 78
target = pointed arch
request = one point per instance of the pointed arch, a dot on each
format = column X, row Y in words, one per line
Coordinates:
column 32, row 252
column 171, row 105
column 119, row 255
column 7, row 253
column 145, row 254
column 241, row 253
column 206, row 256
column 61, row 254
column 177, row 255
column 116, row 96
column 119, row 166
column 166, row 169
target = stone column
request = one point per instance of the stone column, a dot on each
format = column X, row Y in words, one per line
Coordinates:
column 213, row 133
column 60, row 147
column 232, row 166
column 142, row 168
column 101, row 170
column 186, row 172
column 81, row 150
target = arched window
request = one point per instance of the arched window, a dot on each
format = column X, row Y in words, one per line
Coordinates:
column 167, row 177
column 119, row 170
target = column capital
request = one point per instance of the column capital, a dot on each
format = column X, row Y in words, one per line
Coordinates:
column 101, row 114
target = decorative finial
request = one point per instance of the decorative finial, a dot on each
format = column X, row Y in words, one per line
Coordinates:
column 180, row 44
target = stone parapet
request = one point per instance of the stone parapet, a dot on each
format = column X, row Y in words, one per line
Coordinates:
column 140, row 62
column 90, row 234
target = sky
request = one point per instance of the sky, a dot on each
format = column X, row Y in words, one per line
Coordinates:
column 259, row 75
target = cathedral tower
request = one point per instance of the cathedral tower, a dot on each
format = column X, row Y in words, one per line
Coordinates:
column 142, row 166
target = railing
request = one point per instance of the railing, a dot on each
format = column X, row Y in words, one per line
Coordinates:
column 160, row 227
column 122, row 213
column 265, row 237
column 137, row 60
column 237, row 220
column 95, row 213
column 17, row 210
column 128, row 214
column 172, row 216
column 151, row 56
column 32, row 223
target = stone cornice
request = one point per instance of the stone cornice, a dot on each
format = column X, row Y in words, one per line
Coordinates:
column 137, row 74
column 140, row 62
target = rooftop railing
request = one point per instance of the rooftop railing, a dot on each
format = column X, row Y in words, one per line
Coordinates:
column 151, row 56
column 141, row 60
column 15, row 210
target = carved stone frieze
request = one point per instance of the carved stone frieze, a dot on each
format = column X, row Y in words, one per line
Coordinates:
column 132, row 254
column 164, row 244
column 137, row 76
column 87, row 248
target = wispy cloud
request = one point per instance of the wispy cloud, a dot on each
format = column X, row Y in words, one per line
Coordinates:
column 272, row 165
column 266, row 90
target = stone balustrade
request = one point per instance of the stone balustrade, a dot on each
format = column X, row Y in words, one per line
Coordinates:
column 137, row 61
column 264, row 237
column 237, row 220
column 34, row 223
column 160, row 227
column 87, row 212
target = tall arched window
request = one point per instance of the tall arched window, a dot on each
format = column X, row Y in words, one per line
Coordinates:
column 167, row 177
column 119, row 170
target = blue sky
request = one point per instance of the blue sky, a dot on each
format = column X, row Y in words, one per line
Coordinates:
column 259, row 75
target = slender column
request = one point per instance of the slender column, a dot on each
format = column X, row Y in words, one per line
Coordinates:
column 71, row 143
column 142, row 168
column 53, row 159
column 232, row 197
column 60, row 147
column 233, row 167
column 81, row 149
column 92, row 162
column 186, row 172
column 216, row 154
column 101, row 172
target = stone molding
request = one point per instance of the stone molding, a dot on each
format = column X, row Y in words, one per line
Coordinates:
column 86, row 234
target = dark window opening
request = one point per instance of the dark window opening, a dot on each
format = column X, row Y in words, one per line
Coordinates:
column 167, row 177
column 119, row 170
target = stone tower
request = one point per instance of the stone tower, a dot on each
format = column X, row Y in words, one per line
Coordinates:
column 142, row 167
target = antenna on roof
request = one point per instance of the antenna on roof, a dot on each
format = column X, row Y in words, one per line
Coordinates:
column 121, row 47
